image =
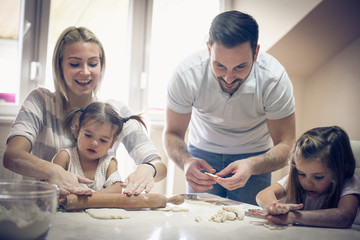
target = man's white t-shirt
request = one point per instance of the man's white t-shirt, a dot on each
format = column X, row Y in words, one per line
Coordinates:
column 237, row 124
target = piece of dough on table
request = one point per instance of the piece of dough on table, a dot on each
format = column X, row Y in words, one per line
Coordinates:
column 173, row 209
column 108, row 213
column 227, row 213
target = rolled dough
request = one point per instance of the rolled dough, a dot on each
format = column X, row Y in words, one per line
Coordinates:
column 173, row 209
column 211, row 175
column 108, row 213
column 199, row 202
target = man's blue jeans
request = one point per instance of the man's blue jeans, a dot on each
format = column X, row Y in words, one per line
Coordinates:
column 245, row 194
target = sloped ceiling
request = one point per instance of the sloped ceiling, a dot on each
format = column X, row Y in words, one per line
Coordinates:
column 325, row 31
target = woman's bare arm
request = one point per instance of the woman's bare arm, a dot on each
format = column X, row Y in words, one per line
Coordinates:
column 17, row 158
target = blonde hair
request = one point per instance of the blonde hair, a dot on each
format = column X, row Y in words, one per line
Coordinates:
column 332, row 146
column 68, row 36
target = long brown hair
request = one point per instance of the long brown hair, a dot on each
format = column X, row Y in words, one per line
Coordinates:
column 332, row 146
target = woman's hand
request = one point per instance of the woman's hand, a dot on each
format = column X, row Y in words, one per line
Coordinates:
column 140, row 180
column 69, row 182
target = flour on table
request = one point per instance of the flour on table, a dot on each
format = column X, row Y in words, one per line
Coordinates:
column 273, row 226
column 227, row 213
column 199, row 202
column 108, row 213
column 198, row 219
column 173, row 209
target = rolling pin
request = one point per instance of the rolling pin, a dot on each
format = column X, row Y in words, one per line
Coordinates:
column 111, row 200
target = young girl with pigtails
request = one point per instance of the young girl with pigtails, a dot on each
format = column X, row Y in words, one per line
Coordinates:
column 96, row 130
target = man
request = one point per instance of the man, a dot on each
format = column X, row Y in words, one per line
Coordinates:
column 240, row 106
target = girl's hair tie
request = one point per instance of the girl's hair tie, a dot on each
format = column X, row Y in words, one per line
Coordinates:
column 125, row 119
column 82, row 113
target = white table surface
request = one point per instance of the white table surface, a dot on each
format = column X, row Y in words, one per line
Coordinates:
column 153, row 224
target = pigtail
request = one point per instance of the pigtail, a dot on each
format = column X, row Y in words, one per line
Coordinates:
column 138, row 118
column 69, row 119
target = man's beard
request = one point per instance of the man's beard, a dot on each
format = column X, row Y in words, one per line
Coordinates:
column 230, row 90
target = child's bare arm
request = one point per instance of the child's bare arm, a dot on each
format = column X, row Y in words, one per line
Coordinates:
column 270, row 195
column 112, row 168
column 269, row 198
column 341, row 217
column 62, row 158
column 117, row 186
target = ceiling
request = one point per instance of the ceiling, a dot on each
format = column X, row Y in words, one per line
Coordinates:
column 329, row 28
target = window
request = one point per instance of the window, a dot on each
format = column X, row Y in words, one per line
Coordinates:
column 109, row 21
column 143, row 40
column 30, row 51
column 9, row 33
column 179, row 28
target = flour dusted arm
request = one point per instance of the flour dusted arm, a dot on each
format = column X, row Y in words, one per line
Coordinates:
column 34, row 139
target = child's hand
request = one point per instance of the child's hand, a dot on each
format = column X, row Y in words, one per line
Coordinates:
column 277, row 208
column 280, row 219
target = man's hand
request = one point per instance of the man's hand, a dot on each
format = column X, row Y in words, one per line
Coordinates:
column 199, row 181
column 242, row 171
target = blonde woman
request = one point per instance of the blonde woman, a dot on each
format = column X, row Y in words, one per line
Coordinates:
column 37, row 134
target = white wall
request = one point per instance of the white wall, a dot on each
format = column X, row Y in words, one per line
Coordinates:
column 331, row 95
column 275, row 17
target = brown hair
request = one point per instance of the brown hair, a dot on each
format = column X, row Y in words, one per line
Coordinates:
column 332, row 146
column 100, row 112
column 232, row 28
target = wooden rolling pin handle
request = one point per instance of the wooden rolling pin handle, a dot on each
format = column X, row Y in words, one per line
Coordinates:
column 62, row 201
column 177, row 199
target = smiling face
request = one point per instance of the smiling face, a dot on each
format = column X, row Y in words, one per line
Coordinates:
column 231, row 66
column 314, row 177
column 81, row 68
column 94, row 139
